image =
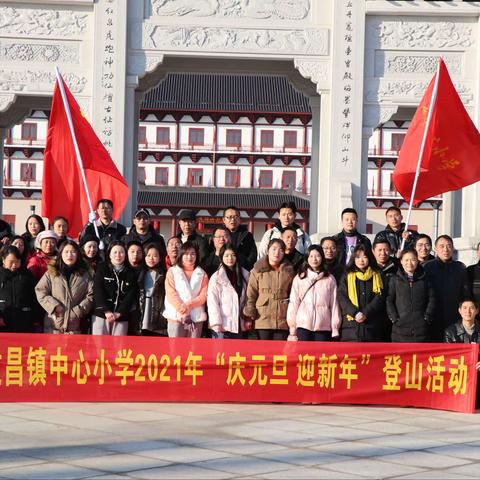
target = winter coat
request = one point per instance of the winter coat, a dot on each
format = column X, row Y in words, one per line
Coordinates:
column 224, row 305
column 303, row 239
column 296, row 259
column 38, row 263
column 336, row 269
column 268, row 294
column 313, row 304
column 411, row 307
column 456, row 333
column 114, row 292
column 151, row 237
column 18, row 305
column 156, row 322
column 369, row 303
column 473, row 275
column 75, row 295
column 246, row 247
column 108, row 233
column 211, row 263
column 342, row 245
column 394, row 239
column 200, row 241
column 450, row 282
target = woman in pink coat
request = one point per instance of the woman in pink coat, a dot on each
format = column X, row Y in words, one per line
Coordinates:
column 226, row 296
column 313, row 312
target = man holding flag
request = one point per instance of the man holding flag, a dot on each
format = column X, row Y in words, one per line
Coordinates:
column 440, row 153
column 78, row 171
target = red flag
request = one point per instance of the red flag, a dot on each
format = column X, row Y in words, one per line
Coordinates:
column 451, row 159
column 63, row 188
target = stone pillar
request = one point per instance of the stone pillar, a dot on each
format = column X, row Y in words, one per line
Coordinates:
column 109, row 92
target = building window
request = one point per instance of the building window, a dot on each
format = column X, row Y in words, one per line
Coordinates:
column 142, row 134
column 266, row 139
column 161, row 176
column 232, row 177
column 234, row 138
column 289, row 179
column 29, row 131
column 196, row 136
column 141, row 175
column 27, row 172
column 265, row 179
column 290, row 139
column 397, row 141
column 163, row 136
column 195, row 177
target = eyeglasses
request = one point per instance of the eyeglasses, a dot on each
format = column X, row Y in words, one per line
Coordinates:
column 221, row 236
column 232, row 217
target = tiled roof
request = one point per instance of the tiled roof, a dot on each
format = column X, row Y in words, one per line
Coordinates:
column 239, row 93
column 243, row 198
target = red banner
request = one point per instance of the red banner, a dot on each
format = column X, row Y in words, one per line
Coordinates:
column 46, row 368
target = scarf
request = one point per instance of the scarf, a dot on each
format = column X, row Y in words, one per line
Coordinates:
column 364, row 277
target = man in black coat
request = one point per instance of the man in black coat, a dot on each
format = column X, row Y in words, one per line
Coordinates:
column 241, row 238
column 108, row 228
column 188, row 232
column 289, row 237
column 349, row 237
column 450, row 282
column 395, row 232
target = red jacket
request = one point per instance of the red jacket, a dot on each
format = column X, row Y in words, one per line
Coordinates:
column 37, row 264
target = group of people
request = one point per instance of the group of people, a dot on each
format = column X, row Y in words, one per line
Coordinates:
column 112, row 282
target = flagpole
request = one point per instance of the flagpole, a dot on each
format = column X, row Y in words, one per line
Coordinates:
column 92, row 215
column 422, row 148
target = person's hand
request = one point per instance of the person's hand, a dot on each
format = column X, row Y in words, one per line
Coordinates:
column 183, row 309
column 360, row 317
column 2, row 322
column 292, row 338
column 247, row 324
column 109, row 317
column 59, row 311
column 477, row 366
column 117, row 315
column 406, row 234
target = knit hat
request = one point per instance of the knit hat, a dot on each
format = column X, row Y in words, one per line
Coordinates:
column 187, row 215
column 88, row 238
column 45, row 234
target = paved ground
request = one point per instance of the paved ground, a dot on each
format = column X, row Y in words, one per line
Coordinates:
column 216, row 441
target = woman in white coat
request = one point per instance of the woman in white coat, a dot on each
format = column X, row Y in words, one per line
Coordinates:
column 313, row 311
column 226, row 296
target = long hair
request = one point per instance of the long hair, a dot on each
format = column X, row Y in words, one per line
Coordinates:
column 241, row 284
column 302, row 271
column 40, row 221
column 372, row 263
column 79, row 265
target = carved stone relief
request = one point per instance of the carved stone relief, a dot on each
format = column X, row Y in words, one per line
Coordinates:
column 395, row 63
column 313, row 70
column 6, row 101
column 274, row 9
column 375, row 115
column 42, row 22
column 26, row 52
column 139, row 64
column 37, row 81
column 298, row 41
column 410, row 91
column 421, row 32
